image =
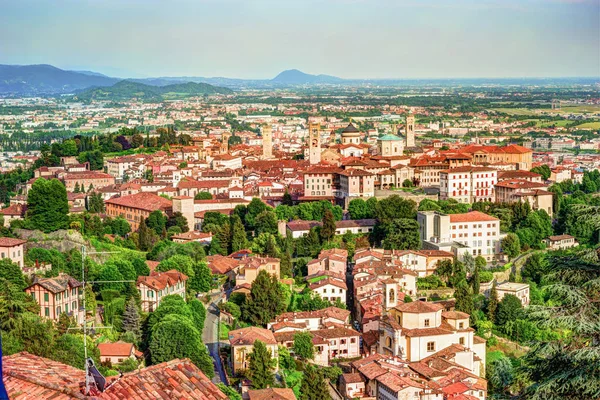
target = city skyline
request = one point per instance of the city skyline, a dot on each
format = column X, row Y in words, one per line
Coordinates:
column 351, row 39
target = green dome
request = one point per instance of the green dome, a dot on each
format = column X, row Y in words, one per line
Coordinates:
column 389, row 138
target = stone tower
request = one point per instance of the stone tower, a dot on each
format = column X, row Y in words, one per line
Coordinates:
column 314, row 142
column 410, row 130
column 225, row 143
column 267, row 139
column 185, row 205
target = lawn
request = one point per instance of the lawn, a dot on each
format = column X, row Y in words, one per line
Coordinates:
column 589, row 125
column 224, row 331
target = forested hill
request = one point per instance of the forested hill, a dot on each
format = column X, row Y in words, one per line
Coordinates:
column 42, row 79
column 125, row 90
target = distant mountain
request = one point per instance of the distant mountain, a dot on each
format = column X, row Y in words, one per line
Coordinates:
column 91, row 73
column 45, row 79
column 127, row 89
column 296, row 77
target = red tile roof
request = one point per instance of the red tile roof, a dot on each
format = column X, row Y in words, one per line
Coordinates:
column 10, row 242
column 472, row 216
column 272, row 394
column 142, row 201
column 160, row 280
column 116, row 349
column 28, row 377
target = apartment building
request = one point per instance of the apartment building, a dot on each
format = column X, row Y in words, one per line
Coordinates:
column 320, row 181
column 86, row 180
column 355, row 183
column 468, row 184
column 61, row 294
column 158, row 285
column 519, row 190
column 137, row 207
column 415, row 331
column 474, row 232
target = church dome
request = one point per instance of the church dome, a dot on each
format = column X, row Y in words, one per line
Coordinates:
column 350, row 130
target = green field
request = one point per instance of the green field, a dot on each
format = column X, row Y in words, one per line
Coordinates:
column 537, row 111
column 589, row 125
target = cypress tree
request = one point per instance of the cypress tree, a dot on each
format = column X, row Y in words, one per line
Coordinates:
column 238, row 236
column 328, row 229
column 260, row 370
column 76, row 189
column 464, row 300
column 313, row 386
column 492, row 303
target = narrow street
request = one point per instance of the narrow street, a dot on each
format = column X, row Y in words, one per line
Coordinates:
column 210, row 337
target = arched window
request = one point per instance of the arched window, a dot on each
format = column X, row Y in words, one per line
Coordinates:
column 392, row 296
column 388, row 342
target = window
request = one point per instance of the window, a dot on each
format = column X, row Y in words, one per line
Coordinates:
column 46, row 297
column 427, row 322
column 461, row 325
column 47, row 311
column 461, row 340
column 430, row 346
column 352, row 340
column 58, row 310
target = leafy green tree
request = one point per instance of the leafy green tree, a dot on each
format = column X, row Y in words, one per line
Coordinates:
column 568, row 368
column 215, row 247
column 120, row 226
column 265, row 222
column 266, row 300
column 402, row 234
column 543, row 170
column 141, row 267
column 203, row 196
column 95, row 203
column 328, row 229
column 358, row 209
column 110, row 272
column 178, row 262
column 201, row 279
column 509, row 309
column 395, row 207
column 69, row 349
column 285, row 266
column 534, row 268
column 198, row 312
column 176, row 337
column 313, row 385
column 253, row 209
column 157, row 221
column 12, row 273
column 500, row 374
column 287, row 199
column 303, row 345
column 47, row 206
column 13, row 303
column 177, row 220
column 463, row 296
column 238, row 235
column 261, row 366
column 511, row 245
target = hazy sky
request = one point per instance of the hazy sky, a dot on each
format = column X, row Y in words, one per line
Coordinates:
column 346, row 38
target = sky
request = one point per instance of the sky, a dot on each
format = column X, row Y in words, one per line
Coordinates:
column 347, row 38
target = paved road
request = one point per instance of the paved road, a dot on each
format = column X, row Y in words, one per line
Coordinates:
column 210, row 336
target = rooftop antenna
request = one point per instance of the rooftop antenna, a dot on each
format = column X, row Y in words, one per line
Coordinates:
column 99, row 380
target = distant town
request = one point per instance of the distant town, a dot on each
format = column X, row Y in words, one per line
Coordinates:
column 307, row 241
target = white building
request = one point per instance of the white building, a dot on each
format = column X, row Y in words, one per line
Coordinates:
column 520, row 290
column 474, row 232
column 468, row 184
